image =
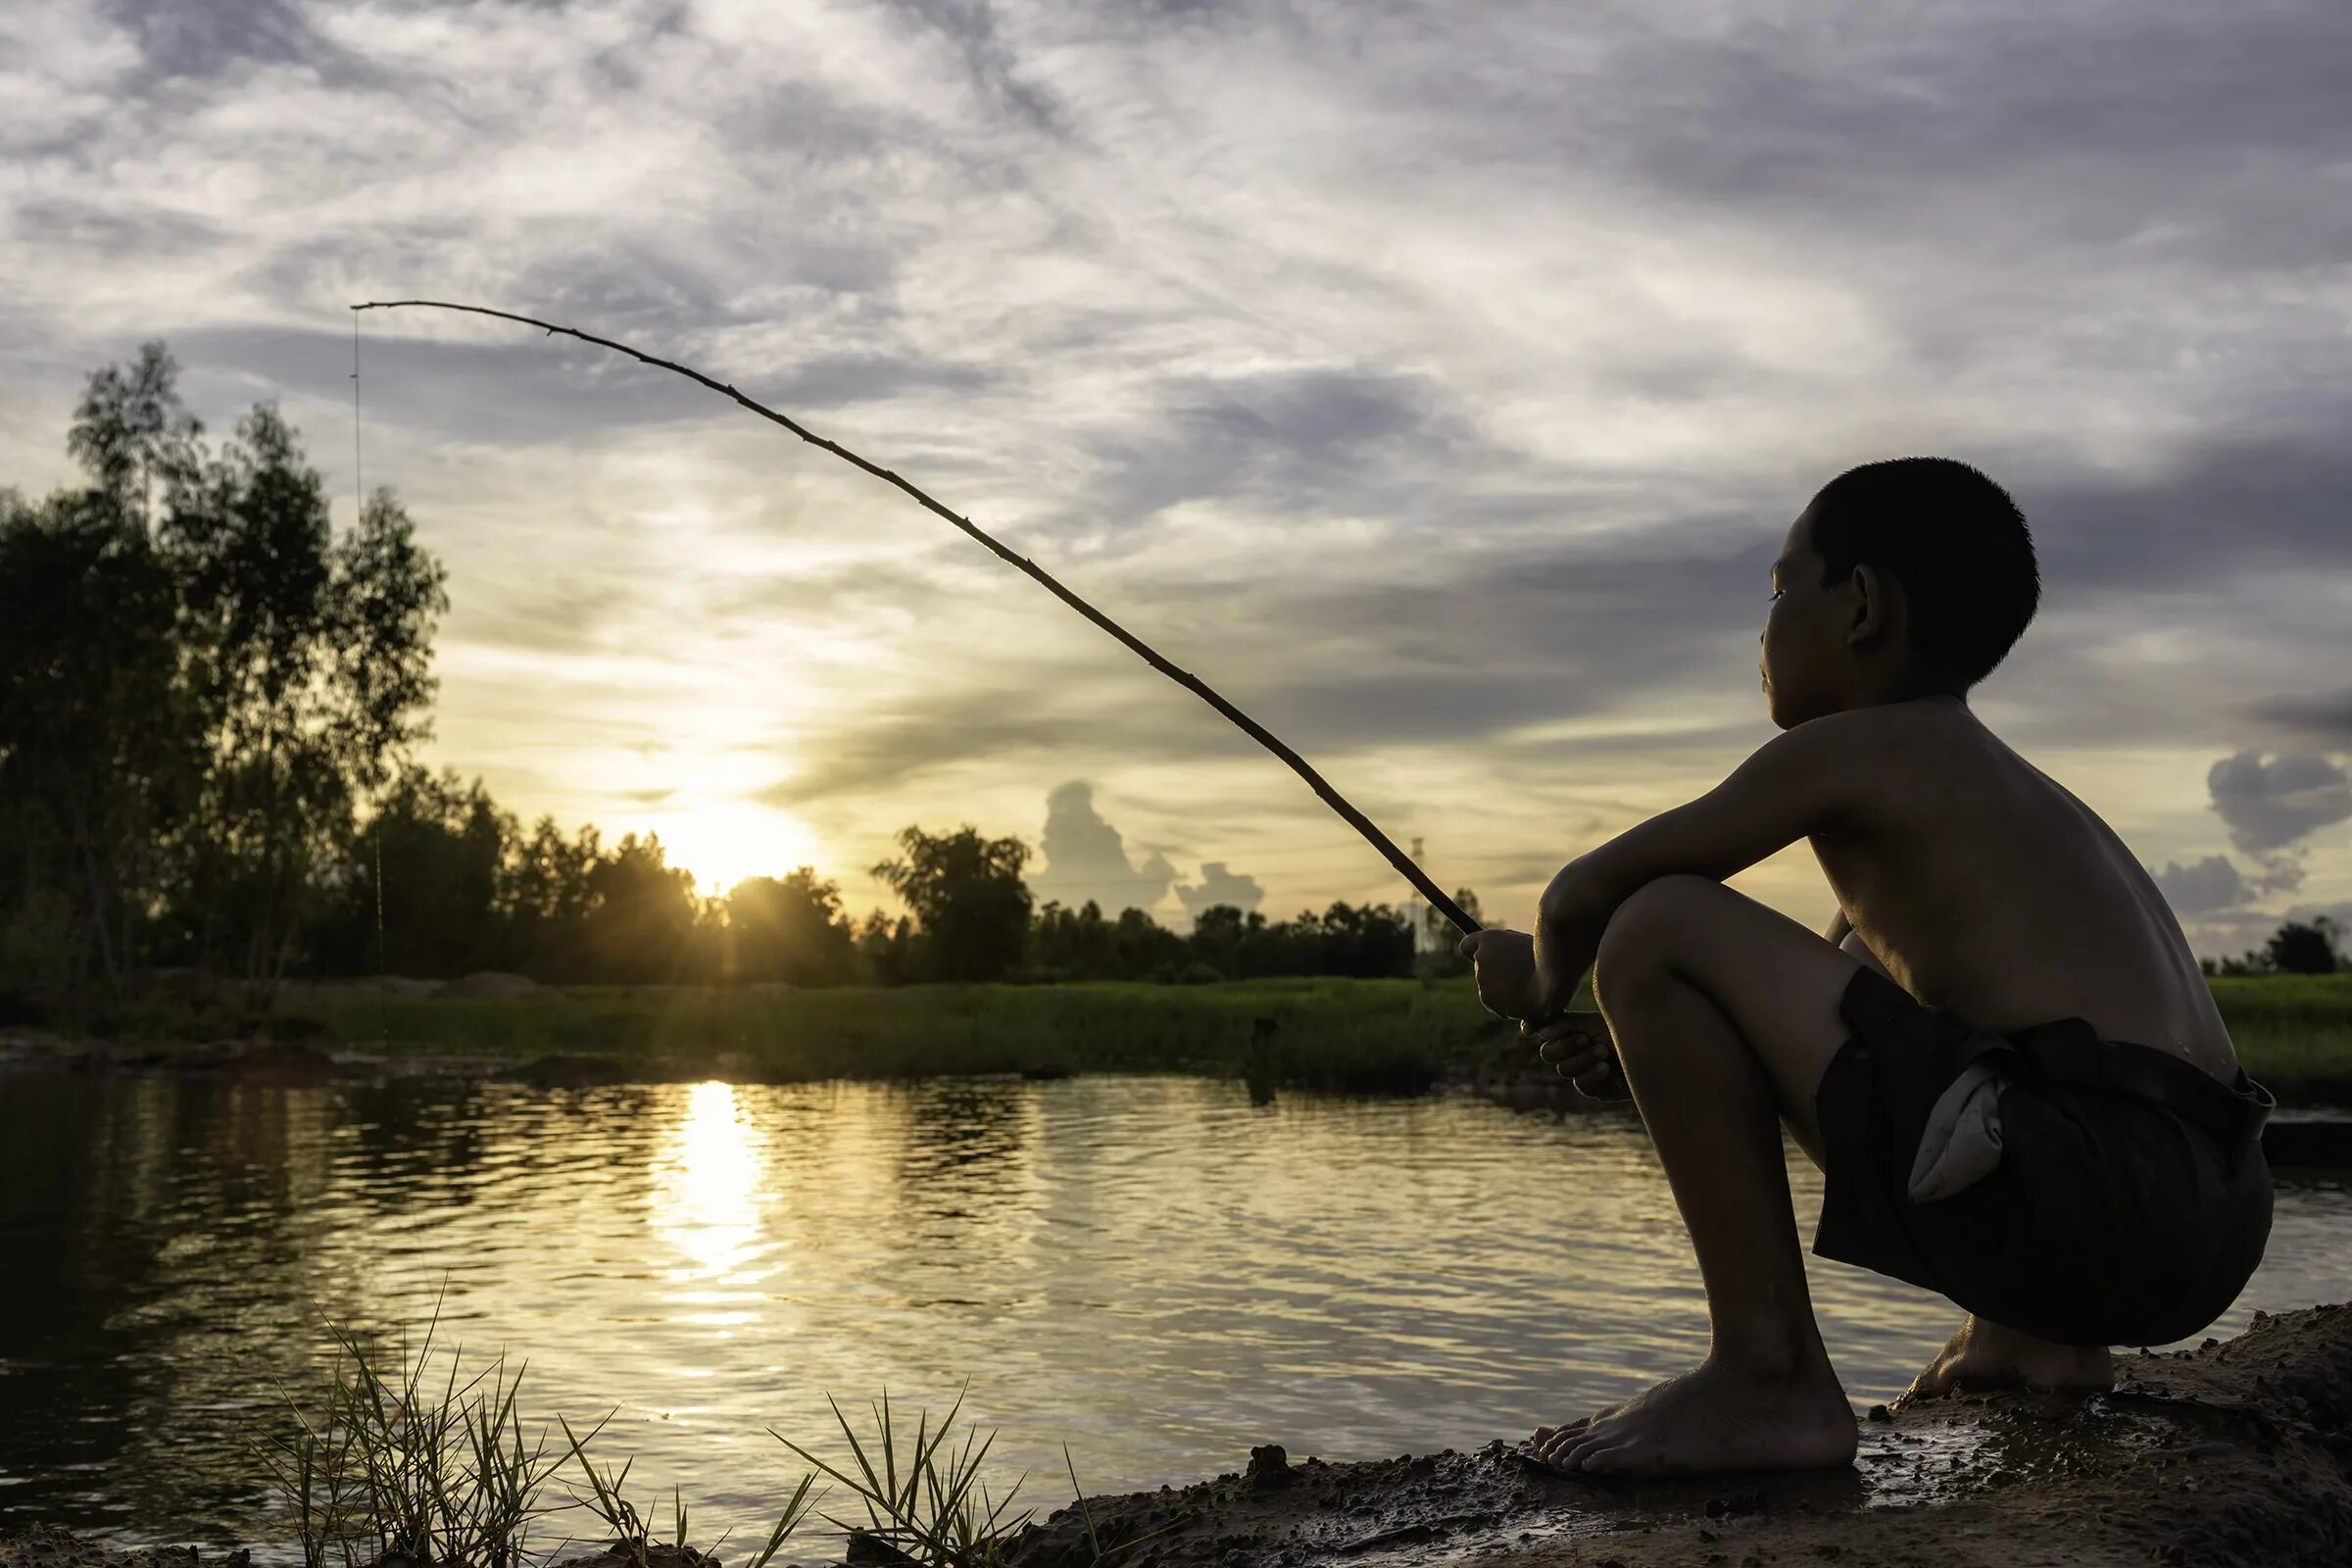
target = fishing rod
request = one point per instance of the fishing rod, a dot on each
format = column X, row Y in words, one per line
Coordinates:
column 1190, row 682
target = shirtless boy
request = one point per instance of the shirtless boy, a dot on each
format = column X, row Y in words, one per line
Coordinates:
column 2001, row 1052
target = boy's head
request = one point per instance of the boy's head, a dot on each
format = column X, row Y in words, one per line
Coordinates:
column 1911, row 578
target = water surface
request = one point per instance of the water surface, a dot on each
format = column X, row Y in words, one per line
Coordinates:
column 1148, row 1269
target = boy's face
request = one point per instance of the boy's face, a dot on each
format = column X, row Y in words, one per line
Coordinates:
column 1806, row 661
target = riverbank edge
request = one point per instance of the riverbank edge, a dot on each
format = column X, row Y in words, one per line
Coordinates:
column 2237, row 1452
column 2312, row 1140
column 2314, row 1131
column 1379, row 1036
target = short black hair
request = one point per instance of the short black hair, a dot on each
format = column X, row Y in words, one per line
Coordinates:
column 1952, row 538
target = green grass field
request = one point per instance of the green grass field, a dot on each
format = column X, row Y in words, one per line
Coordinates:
column 1329, row 1033
column 2293, row 1033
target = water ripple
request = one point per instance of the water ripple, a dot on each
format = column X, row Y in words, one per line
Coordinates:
column 1151, row 1269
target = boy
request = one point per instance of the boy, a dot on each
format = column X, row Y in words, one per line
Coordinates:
column 2000, row 1053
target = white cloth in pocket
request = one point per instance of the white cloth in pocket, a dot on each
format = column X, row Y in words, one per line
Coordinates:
column 1961, row 1143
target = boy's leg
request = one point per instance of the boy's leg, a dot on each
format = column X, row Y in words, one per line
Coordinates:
column 1724, row 1016
column 1984, row 1355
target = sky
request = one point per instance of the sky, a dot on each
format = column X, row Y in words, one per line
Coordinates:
column 1437, row 381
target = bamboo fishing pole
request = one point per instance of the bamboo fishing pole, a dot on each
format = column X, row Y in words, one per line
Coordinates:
column 1250, row 726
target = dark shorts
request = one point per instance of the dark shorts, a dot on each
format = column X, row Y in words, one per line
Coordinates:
column 2130, row 1203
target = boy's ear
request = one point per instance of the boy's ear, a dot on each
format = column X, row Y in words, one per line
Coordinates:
column 1870, row 604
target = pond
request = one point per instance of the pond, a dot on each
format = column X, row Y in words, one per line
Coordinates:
column 1151, row 1270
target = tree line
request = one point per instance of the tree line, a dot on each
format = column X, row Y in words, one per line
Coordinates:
column 466, row 888
column 210, row 703
column 2298, row 947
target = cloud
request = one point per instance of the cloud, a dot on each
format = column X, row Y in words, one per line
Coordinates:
column 1475, row 504
column 2321, row 717
column 2225, row 504
column 2207, row 885
column 1218, row 885
column 223, row 37
column 2270, row 803
column 1085, row 858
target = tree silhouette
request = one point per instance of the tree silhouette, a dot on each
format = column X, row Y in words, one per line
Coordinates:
column 201, row 679
column 968, row 899
column 789, row 929
column 2299, row 948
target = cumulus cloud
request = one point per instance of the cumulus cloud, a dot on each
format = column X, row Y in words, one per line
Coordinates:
column 1216, row 886
column 2202, row 887
column 1086, row 858
column 2269, row 801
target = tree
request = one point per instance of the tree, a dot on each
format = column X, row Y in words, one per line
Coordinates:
column 1442, row 941
column 641, row 914
column 2299, row 948
column 1145, row 950
column 887, row 950
column 1066, row 944
column 790, row 929
column 544, row 897
column 433, row 860
column 1359, row 940
column 309, row 656
column 967, row 898
column 96, row 735
column 95, row 742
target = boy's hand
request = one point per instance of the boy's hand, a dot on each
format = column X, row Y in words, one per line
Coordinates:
column 1504, row 963
column 1581, row 1045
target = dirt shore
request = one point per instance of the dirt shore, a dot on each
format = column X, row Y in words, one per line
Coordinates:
column 2235, row 1454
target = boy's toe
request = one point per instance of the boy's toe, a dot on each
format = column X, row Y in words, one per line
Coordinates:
column 1566, row 1430
column 1624, row 1460
column 1579, row 1453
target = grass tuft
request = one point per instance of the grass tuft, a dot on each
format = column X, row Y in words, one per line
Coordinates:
column 392, row 1462
column 926, row 1517
column 397, row 1462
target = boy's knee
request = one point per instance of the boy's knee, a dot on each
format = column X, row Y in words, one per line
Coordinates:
column 1642, row 932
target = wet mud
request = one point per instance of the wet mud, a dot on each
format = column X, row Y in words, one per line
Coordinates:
column 2235, row 1453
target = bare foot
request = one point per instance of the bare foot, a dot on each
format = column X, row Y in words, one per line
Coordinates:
column 1715, row 1417
column 1987, row 1355
column 1544, row 1435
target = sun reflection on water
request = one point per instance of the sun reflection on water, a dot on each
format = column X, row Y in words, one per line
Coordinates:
column 706, row 1208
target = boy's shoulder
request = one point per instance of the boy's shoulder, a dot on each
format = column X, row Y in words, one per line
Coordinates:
column 1886, row 738
column 1894, row 760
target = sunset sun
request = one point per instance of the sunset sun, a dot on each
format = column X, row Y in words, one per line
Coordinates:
column 722, row 842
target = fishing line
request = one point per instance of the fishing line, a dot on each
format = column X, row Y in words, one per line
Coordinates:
column 1249, row 727
column 358, row 511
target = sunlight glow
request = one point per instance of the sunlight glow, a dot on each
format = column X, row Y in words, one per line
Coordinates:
column 722, row 842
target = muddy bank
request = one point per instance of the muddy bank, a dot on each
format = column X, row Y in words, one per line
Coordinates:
column 2236, row 1454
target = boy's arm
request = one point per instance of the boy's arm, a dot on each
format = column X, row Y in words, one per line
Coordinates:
column 1802, row 781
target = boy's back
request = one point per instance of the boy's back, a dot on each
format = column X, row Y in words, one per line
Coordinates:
column 1985, row 888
